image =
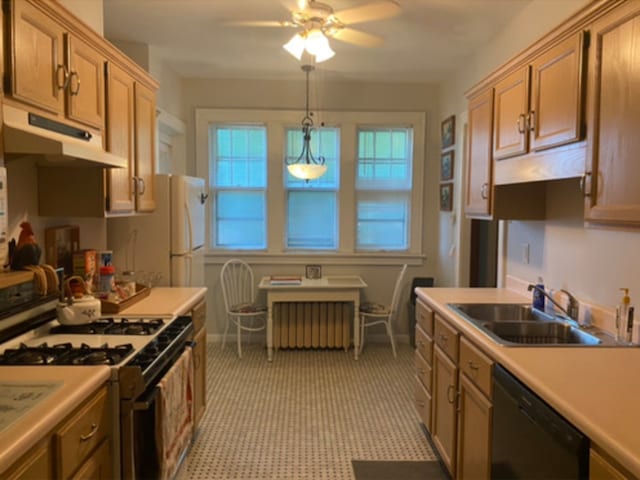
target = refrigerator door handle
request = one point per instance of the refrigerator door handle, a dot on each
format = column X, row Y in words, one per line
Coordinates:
column 189, row 274
column 189, row 222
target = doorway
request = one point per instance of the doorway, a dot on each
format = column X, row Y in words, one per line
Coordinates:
column 483, row 254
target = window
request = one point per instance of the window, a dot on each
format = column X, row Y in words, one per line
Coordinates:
column 312, row 207
column 239, row 181
column 384, row 184
column 368, row 204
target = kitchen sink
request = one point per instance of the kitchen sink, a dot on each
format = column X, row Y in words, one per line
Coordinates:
column 499, row 312
column 539, row 333
column 517, row 324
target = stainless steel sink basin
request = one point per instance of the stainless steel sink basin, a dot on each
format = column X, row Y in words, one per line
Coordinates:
column 499, row 312
column 515, row 324
column 540, row 333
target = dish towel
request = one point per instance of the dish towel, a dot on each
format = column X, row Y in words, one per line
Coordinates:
column 174, row 414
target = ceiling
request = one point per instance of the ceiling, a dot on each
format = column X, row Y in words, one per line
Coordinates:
column 427, row 40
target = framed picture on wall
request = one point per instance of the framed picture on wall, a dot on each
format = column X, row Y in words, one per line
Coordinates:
column 446, row 165
column 448, row 132
column 446, row 197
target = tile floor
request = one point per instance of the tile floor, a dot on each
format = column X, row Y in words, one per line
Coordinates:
column 306, row 415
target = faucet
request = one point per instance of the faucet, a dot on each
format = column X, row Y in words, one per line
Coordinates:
column 572, row 311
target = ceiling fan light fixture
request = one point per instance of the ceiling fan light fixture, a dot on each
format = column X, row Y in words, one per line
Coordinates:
column 317, row 44
column 295, row 46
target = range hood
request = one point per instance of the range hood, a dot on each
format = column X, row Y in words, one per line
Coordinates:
column 26, row 133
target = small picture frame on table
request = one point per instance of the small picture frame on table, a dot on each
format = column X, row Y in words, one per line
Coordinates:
column 313, row 272
column 446, row 165
column 446, row 197
column 448, row 132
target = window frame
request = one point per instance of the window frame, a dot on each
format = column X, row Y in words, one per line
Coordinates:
column 349, row 122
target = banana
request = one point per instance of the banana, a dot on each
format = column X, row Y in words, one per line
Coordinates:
column 39, row 278
column 52, row 279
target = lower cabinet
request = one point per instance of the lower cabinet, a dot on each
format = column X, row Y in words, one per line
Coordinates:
column 80, row 447
column 601, row 468
column 199, row 316
column 460, row 380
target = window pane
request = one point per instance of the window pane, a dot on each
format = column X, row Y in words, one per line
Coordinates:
column 240, row 217
column 324, row 142
column 241, row 156
column 312, row 220
column 238, row 179
column 383, row 222
column 384, row 158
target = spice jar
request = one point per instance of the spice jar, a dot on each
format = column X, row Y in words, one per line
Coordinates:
column 107, row 280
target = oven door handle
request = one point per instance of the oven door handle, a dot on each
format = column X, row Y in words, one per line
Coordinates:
column 145, row 403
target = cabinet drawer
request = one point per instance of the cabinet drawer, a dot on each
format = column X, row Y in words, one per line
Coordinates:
column 199, row 315
column 424, row 317
column 476, row 365
column 423, row 370
column 422, row 400
column 82, row 433
column 424, row 345
column 447, row 337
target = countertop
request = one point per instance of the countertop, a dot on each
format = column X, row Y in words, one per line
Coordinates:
column 76, row 384
column 595, row 388
column 166, row 302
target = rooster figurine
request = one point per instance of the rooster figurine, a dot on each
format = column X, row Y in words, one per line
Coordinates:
column 27, row 251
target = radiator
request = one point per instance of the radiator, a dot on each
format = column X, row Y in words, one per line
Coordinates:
column 312, row 324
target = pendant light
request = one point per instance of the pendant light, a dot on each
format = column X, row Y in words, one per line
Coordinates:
column 306, row 166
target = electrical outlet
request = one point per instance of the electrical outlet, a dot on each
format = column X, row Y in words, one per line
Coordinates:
column 525, row 253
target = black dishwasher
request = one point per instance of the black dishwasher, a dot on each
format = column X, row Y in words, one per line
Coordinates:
column 530, row 439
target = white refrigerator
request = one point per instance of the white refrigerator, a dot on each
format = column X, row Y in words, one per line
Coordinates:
column 167, row 244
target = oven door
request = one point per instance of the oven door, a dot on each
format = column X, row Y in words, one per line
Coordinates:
column 158, row 425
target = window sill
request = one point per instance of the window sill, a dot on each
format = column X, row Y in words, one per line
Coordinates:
column 304, row 258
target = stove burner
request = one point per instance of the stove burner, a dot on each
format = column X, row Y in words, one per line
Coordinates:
column 113, row 326
column 65, row 354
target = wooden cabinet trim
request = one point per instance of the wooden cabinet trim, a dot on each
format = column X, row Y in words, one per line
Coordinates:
column 423, row 370
column 424, row 317
column 476, row 366
column 424, row 344
column 446, row 337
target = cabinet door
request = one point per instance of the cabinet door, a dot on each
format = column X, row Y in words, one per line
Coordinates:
column 474, row 432
column 85, row 92
column 38, row 73
column 556, row 95
column 200, row 375
column 119, row 138
column 443, row 421
column 511, row 106
column 478, row 190
column 613, row 117
column 97, row 466
column 145, row 135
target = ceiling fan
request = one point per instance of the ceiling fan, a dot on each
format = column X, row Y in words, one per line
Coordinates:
column 318, row 21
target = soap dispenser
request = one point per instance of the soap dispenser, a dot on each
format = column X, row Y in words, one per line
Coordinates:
column 538, row 296
column 624, row 317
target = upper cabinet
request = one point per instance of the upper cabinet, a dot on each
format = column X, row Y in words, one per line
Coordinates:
column 64, row 71
column 613, row 176
column 479, row 183
column 539, row 106
column 53, row 70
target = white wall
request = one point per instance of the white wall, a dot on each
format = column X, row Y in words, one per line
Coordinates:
column 89, row 11
column 258, row 94
column 591, row 262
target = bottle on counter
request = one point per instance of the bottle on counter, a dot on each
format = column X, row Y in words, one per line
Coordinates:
column 538, row 296
column 624, row 318
column 107, row 278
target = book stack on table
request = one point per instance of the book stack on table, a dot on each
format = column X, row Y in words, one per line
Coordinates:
column 285, row 280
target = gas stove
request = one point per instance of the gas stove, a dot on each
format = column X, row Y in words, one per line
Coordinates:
column 114, row 326
column 65, row 354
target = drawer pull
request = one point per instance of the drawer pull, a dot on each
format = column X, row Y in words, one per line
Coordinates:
column 420, row 404
column 91, row 434
column 443, row 338
column 421, row 344
column 473, row 366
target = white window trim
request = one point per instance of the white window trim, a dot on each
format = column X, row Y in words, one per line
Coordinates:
column 348, row 121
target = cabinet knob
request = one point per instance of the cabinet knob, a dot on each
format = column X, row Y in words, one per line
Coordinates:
column 451, row 389
column 141, row 186
column 531, row 121
column 584, row 188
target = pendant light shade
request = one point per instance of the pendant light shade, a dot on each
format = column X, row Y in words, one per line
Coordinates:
column 306, row 166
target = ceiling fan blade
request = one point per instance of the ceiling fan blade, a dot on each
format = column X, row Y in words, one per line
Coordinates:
column 356, row 37
column 369, row 12
column 259, row 23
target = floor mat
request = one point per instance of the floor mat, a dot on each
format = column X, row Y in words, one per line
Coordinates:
column 405, row 470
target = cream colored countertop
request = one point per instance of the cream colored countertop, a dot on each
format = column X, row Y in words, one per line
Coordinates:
column 76, row 384
column 595, row 388
column 166, row 302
